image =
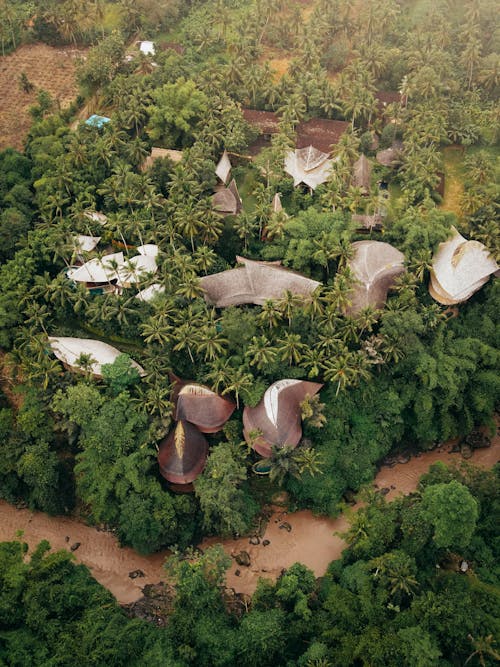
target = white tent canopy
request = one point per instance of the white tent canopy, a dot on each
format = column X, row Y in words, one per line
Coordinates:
column 70, row 351
column 223, row 168
column 98, row 270
column 308, row 165
column 149, row 293
column 459, row 268
column 136, row 269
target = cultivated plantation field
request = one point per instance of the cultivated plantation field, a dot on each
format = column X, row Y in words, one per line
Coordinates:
column 46, row 67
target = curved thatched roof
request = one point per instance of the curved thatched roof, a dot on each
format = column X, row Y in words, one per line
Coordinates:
column 459, row 268
column 201, row 406
column 278, row 416
column 254, row 282
column 369, row 222
column 308, row 165
column 160, row 153
column 391, row 157
column 149, row 293
column 182, row 454
column 70, row 350
column 136, row 269
column 84, row 243
column 223, row 168
column 374, row 265
column 224, row 202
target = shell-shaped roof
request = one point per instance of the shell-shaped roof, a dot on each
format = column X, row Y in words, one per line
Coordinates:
column 375, row 265
column 84, row 243
column 149, row 249
column 278, row 416
column 182, row 454
column 201, row 406
column 308, row 165
column 136, row 269
column 255, row 282
column 69, row 350
column 224, row 201
column 459, row 268
column 223, row 168
column 98, row 270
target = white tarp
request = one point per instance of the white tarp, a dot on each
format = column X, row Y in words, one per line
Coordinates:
column 69, row 351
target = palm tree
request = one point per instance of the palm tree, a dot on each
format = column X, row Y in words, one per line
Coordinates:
column 210, row 343
column 483, row 646
column 239, row 381
column 204, row 258
column 270, row 314
column 291, row 348
column 260, row 352
column 288, row 304
column 185, row 337
column 156, row 330
column 346, row 369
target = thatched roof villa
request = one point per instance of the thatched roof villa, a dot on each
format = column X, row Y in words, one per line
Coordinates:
column 70, row 350
column 254, row 282
column 160, row 153
column 182, row 455
column 308, row 165
column 362, row 174
column 375, row 265
column 201, row 406
column 459, row 268
column 278, row 416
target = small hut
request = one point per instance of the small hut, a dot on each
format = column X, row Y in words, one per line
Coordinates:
column 362, row 174
column 161, row 153
column 368, row 223
column 224, row 202
column 459, row 269
column 391, row 157
column 375, row 265
column 183, row 454
column 254, row 283
column 308, row 165
column 277, row 418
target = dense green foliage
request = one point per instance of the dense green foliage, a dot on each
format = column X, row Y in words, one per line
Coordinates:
column 397, row 597
column 408, row 374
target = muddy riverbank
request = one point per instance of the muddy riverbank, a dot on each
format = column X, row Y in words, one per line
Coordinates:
column 310, row 539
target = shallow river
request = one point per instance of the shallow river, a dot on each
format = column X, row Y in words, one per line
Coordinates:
column 311, row 540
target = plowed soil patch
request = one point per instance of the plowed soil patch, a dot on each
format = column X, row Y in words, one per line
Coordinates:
column 48, row 68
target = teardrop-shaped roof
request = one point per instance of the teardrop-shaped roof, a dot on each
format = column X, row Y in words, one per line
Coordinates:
column 201, row 406
column 278, row 415
column 182, row 454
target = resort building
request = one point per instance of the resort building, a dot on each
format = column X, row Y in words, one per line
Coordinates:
column 201, row 406
column 86, row 354
column 276, row 421
column 182, row 455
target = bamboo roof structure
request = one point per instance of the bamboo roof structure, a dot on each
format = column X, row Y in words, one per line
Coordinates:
column 366, row 222
column 225, row 202
column 149, row 293
column 98, row 270
column 136, row 269
column 391, row 157
column 321, row 133
column 277, row 418
column 362, row 174
column 375, row 265
column 70, row 350
column 308, row 165
column 255, row 282
column 459, row 269
column 84, row 243
column 159, row 153
column 223, row 168
column 201, row 406
column 182, row 455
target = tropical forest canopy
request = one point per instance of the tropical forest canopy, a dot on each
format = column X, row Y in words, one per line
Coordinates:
column 412, row 373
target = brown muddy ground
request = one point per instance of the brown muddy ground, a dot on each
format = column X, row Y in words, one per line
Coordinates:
column 310, row 541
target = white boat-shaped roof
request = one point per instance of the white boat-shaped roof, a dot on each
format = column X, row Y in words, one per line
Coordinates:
column 70, row 350
column 223, row 168
column 149, row 249
column 147, row 47
column 136, row 269
column 149, row 293
column 308, row 165
column 98, row 270
column 85, row 243
column 459, row 268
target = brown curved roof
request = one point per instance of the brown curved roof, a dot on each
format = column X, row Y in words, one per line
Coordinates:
column 224, row 201
column 362, row 173
column 201, row 406
column 391, row 157
column 255, row 282
column 277, row 416
column 322, row 133
column 375, row 265
column 267, row 122
column 182, row 454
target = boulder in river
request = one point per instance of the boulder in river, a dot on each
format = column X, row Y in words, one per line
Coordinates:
column 243, row 558
column 254, row 540
column 75, row 546
column 286, row 526
column 265, row 543
column 477, row 440
column 136, row 573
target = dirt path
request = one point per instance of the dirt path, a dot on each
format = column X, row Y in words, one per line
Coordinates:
column 310, row 541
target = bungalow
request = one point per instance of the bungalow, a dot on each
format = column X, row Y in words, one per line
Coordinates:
column 201, row 406
column 308, row 165
column 182, row 455
column 72, row 350
column 255, row 282
column 375, row 265
column 459, row 269
column 277, row 418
